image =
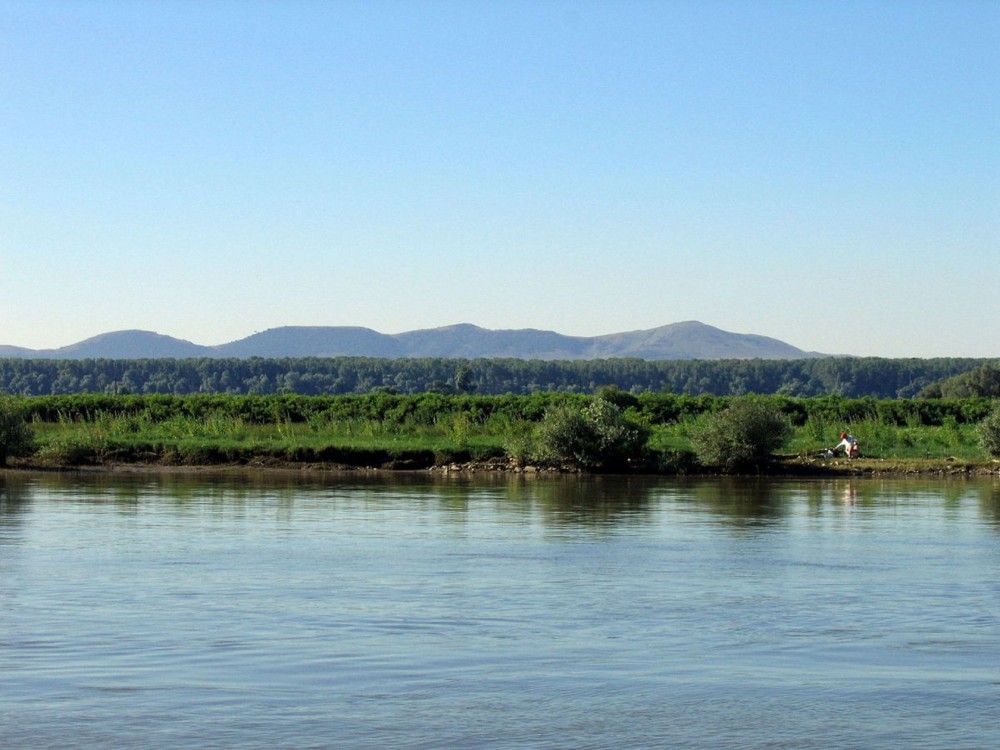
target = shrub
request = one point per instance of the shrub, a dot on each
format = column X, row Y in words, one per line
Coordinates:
column 620, row 440
column 622, row 399
column 989, row 432
column 598, row 436
column 741, row 436
column 518, row 443
column 564, row 436
column 16, row 438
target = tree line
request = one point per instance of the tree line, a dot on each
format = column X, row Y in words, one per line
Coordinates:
column 982, row 381
column 315, row 376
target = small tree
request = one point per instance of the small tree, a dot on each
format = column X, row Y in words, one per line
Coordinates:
column 598, row 436
column 16, row 438
column 741, row 436
column 565, row 436
column 620, row 440
column 989, row 432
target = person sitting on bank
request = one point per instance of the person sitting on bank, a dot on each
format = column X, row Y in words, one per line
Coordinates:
column 850, row 445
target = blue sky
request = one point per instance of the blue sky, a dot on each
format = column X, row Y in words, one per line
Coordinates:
column 826, row 173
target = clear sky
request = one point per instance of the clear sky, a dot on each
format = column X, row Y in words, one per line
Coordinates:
column 826, row 173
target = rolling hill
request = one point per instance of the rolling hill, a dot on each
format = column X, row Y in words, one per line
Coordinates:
column 687, row 340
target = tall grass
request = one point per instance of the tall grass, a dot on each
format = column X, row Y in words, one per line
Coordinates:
column 78, row 441
column 877, row 438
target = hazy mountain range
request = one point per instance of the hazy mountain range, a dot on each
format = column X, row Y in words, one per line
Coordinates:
column 688, row 340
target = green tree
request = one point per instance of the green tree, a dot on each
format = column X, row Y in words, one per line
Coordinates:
column 983, row 381
column 16, row 438
column 597, row 437
column 989, row 432
column 741, row 436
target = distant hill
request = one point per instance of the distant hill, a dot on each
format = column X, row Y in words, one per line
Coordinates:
column 693, row 340
column 687, row 340
column 318, row 341
column 117, row 345
column 131, row 345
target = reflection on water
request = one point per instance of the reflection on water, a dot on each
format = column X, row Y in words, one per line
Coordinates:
column 558, row 499
column 322, row 610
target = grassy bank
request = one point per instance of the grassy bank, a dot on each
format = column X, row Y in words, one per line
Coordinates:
column 184, row 440
column 418, row 432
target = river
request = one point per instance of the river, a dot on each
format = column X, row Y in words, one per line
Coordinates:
column 344, row 611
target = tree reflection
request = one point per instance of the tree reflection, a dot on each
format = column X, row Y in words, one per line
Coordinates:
column 603, row 503
column 744, row 502
column 14, row 501
column 591, row 501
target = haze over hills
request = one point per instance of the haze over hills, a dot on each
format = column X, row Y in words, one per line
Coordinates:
column 687, row 340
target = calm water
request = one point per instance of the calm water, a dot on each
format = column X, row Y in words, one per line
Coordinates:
column 343, row 612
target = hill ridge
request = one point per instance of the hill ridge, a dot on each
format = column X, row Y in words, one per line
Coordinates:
column 689, row 339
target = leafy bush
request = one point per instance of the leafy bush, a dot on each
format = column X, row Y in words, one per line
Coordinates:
column 741, row 436
column 564, row 436
column 620, row 440
column 989, row 432
column 518, row 441
column 598, row 436
column 622, row 399
column 16, row 438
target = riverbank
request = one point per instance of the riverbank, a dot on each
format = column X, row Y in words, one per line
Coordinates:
column 885, row 467
column 526, row 435
column 784, row 465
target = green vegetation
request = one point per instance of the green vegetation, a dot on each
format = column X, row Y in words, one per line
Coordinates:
column 989, row 432
column 982, row 381
column 614, row 431
column 850, row 377
column 742, row 436
column 16, row 438
column 598, row 437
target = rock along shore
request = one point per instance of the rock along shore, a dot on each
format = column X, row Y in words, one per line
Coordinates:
column 787, row 466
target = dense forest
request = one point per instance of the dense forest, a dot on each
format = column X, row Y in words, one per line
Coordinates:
column 847, row 377
column 982, row 381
